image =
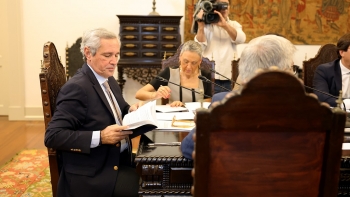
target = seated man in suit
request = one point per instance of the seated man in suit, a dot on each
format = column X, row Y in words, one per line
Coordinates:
column 334, row 76
column 87, row 125
column 260, row 53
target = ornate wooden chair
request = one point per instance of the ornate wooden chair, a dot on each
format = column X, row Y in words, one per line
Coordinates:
column 173, row 62
column 235, row 71
column 52, row 78
column 326, row 53
column 272, row 140
column 74, row 58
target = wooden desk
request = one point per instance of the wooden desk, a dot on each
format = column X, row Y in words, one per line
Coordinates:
column 163, row 169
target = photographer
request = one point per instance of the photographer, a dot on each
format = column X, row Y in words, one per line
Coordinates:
column 219, row 40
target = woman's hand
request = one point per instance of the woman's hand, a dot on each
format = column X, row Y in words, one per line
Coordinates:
column 163, row 92
column 176, row 104
column 135, row 106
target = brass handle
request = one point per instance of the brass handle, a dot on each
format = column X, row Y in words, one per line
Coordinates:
column 169, row 37
column 150, row 37
column 129, row 28
column 130, row 45
column 150, row 28
column 169, row 45
column 169, row 28
column 149, row 45
column 130, row 54
column 149, row 54
column 130, row 37
column 169, row 54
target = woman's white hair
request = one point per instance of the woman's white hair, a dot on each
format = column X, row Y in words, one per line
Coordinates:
column 263, row 52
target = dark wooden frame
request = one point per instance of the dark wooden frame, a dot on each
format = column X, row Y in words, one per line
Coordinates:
column 274, row 106
column 52, row 78
column 235, row 71
column 74, row 58
column 326, row 53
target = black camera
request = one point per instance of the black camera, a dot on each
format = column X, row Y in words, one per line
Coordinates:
column 209, row 16
column 208, row 8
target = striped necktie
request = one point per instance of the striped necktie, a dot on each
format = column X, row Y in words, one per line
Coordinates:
column 118, row 113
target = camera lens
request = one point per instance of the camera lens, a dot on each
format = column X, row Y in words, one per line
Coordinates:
column 212, row 18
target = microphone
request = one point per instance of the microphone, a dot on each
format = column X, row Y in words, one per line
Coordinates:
column 325, row 93
column 201, row 77
column 214, row 71
column 165, row 80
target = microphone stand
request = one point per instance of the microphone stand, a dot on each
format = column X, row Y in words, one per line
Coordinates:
column 201, row 77
column 325, row 93
column 214, row 71
column 165, row 80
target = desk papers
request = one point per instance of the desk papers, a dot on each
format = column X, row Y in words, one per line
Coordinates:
column 167, row 108
column 177, row 115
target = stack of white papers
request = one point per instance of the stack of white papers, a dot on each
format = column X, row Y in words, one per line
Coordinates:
column 167, row 108
column 192, row 106
column 177, row 115
column 167, row 125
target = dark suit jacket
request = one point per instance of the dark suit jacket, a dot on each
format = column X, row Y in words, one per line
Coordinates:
column 328, row 79
column 81, row 109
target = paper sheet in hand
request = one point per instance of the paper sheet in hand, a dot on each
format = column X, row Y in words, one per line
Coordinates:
column 146, row 114
column 167, row 108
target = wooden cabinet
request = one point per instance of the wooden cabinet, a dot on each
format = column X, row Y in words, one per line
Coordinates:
column 144, row 41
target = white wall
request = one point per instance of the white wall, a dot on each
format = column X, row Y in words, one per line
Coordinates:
column 62, row 22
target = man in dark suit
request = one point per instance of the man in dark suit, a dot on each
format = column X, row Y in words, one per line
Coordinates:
column 260, row 53
column 86, row 126
column 334, row 76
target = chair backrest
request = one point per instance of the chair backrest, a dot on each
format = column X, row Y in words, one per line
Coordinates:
column 271, row 140
column 74, row 58
column 52, row 78
column 173, row 62
column 235, row 71
column 326, row 53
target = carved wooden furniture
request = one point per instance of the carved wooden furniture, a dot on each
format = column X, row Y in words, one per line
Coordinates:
column 74, row 58
column 173, row 62
column 234, row 71
column 52, row 78
column 326, row 53
column 144, row 39
column 164, row 172
column 272, row 140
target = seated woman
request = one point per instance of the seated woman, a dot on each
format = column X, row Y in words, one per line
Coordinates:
column 185, row 75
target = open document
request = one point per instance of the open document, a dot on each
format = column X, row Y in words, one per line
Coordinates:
column 144, row 115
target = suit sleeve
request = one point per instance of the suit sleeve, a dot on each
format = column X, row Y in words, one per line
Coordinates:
column 320, row 82
column 62, row 132
column 187, row 145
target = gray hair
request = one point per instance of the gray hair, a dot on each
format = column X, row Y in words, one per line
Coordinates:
column 263, row 52
column 192, row 46
column 92, row 39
